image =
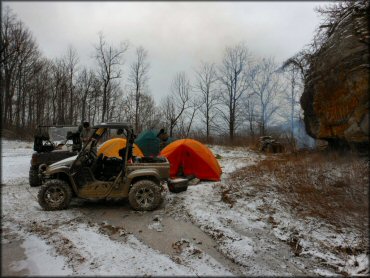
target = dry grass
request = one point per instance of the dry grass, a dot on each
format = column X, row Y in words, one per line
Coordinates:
column 18, row 133
column 315, row 187
column 330, row 186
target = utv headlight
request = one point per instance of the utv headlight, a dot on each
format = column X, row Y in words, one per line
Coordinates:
column 42, row 168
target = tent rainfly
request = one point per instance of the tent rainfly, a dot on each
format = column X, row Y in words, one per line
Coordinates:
column 110, row 148
column 190, row 157
column 150, row 144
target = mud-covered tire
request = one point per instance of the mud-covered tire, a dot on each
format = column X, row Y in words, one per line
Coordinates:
column 145, row 195
column 34, row 179
column 54, row 195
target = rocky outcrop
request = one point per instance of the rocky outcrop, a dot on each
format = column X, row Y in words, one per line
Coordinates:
column 336, row 94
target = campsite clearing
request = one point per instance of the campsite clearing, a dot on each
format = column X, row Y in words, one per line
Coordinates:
column 203, row 231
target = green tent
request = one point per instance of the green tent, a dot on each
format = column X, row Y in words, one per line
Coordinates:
column 150, row 144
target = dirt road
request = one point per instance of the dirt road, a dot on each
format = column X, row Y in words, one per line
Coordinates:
column 192, row 233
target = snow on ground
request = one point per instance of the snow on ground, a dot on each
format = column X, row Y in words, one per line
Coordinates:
column 253, row 231
column 15, row 162
column 41, row 259
column 234, row 158
column 247, row 229
column 242, row 233
column 131, row 257
column 61, row 243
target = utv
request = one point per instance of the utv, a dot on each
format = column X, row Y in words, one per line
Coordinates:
column 90, row 177
column 51, row 144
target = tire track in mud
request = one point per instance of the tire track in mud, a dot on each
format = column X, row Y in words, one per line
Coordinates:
column 275, row 257
column 53, row 235
column 176, row 209
column 172, row 230
column 108, row 218
column 50, row 228
column 62, row 245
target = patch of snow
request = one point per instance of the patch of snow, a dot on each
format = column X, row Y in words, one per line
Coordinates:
column 41, row 259
column 157, row 226
column 200, row 262
column 242, row 249
column 131, row 257
column 15, row 156
column 325, row 272
column 357, row 265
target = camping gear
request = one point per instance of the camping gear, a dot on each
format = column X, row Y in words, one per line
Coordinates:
column 177, row 185
column 270, row 145
column 110, row 148
column 189, row 157
column 150, row 143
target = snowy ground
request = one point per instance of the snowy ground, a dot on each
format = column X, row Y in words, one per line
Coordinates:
column 194, row 233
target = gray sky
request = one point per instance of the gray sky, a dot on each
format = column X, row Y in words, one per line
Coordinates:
column 177, row 35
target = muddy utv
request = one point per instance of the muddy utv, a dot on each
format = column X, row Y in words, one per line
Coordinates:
column 94, row 178
column 52, row 144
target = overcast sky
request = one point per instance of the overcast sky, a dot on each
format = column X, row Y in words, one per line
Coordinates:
column 177, row 35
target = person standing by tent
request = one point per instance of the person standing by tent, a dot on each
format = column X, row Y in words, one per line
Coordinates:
column 85, row 133
column 163, row 137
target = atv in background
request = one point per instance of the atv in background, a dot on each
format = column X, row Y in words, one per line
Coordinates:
column 52, row 144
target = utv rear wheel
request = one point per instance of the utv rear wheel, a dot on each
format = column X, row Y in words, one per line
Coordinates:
column 54, row 195
column 145, row 195
column 34, row 178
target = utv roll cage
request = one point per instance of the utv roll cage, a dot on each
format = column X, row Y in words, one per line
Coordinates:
column 42, row 141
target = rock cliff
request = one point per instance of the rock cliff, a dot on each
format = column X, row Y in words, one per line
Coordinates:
column 336, row 94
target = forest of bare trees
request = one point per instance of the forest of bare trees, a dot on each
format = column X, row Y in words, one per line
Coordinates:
column 242, row 95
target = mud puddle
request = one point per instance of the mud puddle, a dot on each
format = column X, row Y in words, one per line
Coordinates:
column 11, row 245
column 155, row 229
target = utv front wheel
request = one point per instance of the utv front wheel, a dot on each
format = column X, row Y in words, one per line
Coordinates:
column 54, row 195
column 34, row 178
column 145, row 195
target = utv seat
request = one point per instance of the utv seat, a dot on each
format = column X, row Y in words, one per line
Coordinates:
column 107, row 167
column 42, row 143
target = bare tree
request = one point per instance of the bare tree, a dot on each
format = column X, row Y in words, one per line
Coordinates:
column 85, row 89
column 138, row 77
column 206, row 78
column 94, row 101
column 71, row 65
column 174, row 105
column 249, row 107
column 186, row 120
column 28, row 59
column 266, row 86
column 109, row 61
column 195, row 105
column 59, row 91
column 233, row 75
column 292, row 95
column 115, row 94
column 18, row 52
column 150, row 117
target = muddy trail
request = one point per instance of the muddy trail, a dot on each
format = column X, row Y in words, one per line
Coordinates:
column 156, row 229
column 195, row 233
column 165, row 229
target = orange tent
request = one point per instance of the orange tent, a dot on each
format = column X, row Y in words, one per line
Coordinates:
column 194, row 158
column 111, row 147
